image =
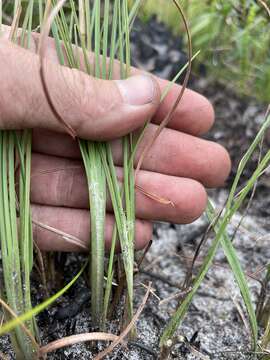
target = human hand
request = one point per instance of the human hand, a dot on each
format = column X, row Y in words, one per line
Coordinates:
column 178, row 167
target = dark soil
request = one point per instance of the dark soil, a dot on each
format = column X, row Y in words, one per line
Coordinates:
column 214, row 327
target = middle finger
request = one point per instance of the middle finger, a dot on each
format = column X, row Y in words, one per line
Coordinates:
column 61, row 182
column 173, row 153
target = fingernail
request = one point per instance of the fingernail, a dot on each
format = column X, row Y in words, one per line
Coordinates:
column 137, row 90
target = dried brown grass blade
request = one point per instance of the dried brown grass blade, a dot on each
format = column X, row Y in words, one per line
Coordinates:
column 121, row 337
column 42, row 54
column 67, row 237
column 155, row 197
column 75, row 339
column 169, row 116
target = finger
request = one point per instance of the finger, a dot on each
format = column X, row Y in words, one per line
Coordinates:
column 96, row 109
column 75, row 222
column 173, row 153
column 62, row 182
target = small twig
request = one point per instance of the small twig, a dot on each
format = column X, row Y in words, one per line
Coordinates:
column 15, row 23
column 175, row 296
column 259, row 270
column 199, row 355
column 144, row 254
column 156, row 261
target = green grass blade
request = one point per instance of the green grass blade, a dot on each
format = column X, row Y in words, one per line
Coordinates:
column 245, row 159
column 239, row 275
column 11, row 325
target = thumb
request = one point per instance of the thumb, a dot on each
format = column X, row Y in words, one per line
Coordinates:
column 95, row 109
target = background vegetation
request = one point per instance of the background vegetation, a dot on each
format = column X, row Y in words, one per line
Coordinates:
column 233, row 37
